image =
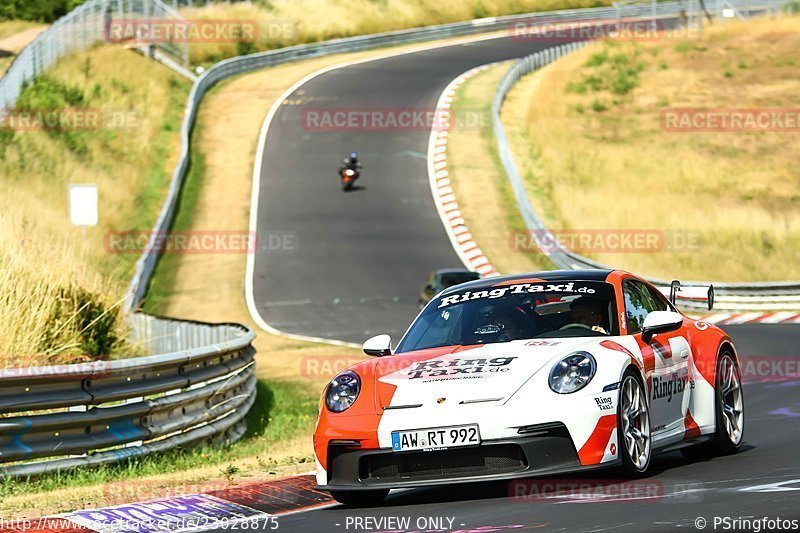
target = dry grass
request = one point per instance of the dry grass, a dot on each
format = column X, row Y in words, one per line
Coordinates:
column 204, row 479
column 14, row 36
column 14, row 27
column 288, row 22
column 43, row 255
column 211, row 286
column 481, row 187
column 229, row 122
column 43, row 319
column 598, row 159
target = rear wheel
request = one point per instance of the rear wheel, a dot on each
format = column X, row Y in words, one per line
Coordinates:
column 633, row 426
column 729, row 409
column 359, row 497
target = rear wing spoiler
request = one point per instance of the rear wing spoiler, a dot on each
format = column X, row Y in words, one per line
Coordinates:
column 694, row 293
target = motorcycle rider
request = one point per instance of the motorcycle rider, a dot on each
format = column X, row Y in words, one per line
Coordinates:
column 351, row 163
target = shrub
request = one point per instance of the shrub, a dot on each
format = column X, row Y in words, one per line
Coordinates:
column 39, row 10
column 47, row 93
column 81, row 318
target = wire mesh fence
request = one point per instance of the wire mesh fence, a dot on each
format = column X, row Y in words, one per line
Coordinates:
column 79, row 30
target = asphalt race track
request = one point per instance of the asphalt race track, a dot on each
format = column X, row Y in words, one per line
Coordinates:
column 361, row 257
column 360, row 260
column 763, row 480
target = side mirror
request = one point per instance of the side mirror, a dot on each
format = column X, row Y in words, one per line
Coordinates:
column 660, row 322
column 378, row 346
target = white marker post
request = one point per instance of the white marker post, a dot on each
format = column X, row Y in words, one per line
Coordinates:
column 83, row 211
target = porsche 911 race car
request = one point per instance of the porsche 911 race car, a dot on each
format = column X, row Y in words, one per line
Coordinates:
column 529, row 375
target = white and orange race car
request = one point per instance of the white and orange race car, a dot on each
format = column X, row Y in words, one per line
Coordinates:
column 529, row 375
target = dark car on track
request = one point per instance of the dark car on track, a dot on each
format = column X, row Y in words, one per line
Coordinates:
column 442, row 279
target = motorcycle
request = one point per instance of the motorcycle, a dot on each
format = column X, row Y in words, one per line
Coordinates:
column 349, row 176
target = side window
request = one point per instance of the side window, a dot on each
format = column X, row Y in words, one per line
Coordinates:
column 638, row 304
column 662, row 302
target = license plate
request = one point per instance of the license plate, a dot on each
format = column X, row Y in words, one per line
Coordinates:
column 435, row 438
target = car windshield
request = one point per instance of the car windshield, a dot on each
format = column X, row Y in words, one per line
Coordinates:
column 514, row 310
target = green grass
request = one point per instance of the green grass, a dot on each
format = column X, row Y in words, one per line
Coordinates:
column 616, row 73
column 474, row 99
column 283, row 410
column 513, row 216
column 162, row 282
column 150, row 196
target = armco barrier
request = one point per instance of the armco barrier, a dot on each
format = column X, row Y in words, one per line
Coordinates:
column 198, row 389
column 239, row 65
column 729, row 296
column 201, row 385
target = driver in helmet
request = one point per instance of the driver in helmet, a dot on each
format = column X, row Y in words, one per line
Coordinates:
column 499, row 324
column 587, row 312
column 351, row 163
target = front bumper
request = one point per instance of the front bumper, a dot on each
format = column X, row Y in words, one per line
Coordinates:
column 547, row 450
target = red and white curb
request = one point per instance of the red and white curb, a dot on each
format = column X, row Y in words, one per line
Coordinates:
column 443, row 195
column 468, row 250
column 778, row 317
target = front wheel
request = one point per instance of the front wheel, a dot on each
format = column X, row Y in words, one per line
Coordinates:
column 359, row 497
column 633, row 426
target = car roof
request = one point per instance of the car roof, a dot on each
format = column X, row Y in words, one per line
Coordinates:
column 454, row 271
column 598, row 274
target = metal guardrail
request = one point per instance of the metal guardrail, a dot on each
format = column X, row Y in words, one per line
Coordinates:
column 729, row 296
column 52, row 418
column 198, row 389
column 238, row 65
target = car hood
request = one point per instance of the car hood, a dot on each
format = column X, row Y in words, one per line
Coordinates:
column 487, row 374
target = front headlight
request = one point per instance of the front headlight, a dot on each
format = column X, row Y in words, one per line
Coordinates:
column 342, row 391
column 572, row 373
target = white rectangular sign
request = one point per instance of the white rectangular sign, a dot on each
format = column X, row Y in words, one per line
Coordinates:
column 83, row 209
